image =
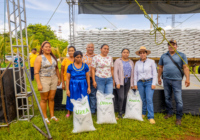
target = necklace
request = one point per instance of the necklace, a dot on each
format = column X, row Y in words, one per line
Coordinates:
column 80, row 69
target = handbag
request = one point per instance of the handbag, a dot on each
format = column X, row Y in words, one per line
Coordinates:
column 182, row 74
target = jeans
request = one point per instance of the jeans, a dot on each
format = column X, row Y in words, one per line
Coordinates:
column 92, row 96
column 122, row 95
column 146, row 93
column 32, row 73
column 176, row 87
column 104, row 85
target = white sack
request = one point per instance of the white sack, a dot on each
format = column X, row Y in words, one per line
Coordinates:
column 82, row 118
column 133, row 106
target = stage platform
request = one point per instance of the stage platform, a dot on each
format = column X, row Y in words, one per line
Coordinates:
column 191, row 98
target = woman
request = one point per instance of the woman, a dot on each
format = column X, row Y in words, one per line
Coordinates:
column 123, row 75
column 65, row 63
column 77, row 81
column 145, row 80
column 103, row 71
column 48, row 78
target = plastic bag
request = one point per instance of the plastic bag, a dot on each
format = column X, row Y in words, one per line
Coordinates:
column 82, row 118
column 105, row 108
column 133, row 106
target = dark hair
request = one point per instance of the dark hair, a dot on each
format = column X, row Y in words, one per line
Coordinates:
column 71, row 47
column 78, row 53
column 104, row 45
column 41, row 52
column 144, row 51
column 125, row 49
column 34, row 49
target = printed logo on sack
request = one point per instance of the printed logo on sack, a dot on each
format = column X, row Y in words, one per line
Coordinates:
column 80, row 120
column 133, row 100
column 84, row 103
column 78, row 112
column 105, row 103
column 130, row 106
column 103, row 110
column 108, row 98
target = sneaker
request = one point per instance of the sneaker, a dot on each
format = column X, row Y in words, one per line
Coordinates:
column 152, row 121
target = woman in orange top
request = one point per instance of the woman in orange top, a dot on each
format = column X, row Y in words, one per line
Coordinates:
column 65, row 63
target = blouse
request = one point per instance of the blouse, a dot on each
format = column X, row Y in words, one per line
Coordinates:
column 103, row 66
column 145, row 70
column 127, row 70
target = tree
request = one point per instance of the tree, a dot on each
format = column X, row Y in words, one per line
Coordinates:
column 41, row 32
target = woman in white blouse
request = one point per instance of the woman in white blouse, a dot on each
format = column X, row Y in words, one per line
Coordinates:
column 145, row 80
column 103, row 71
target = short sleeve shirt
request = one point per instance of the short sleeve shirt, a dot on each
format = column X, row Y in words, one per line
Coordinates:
column 88, row 60
column 103, row 66
column 65, row 63
column 170, row 70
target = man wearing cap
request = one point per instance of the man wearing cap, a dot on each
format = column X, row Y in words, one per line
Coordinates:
column 170, row 66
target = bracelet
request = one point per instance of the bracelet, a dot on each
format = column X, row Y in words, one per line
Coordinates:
column 36, row 73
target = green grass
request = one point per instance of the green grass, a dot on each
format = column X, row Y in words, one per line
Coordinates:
column 124, row 129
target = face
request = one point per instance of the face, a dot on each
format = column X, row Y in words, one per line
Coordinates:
column 143, row 54
column 125, row 54
column 47, row 48
column 90, row 49
column 170, row 48
column 71, row 52
column 105, row 50
column 78, row 59
column 33, row 51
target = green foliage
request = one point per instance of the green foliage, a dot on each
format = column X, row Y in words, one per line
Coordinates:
column 61, row 45
column 125, row 129
column 41, row 32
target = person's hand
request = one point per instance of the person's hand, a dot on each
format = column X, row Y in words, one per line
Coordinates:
column 113, row 83
column 68, row 93
column 88, row 90
column 135, row 87
column 40, row 87
column 187, row 83
column 132, row 87
column 118, row 86
column 58, row 83
column 153, row 86
column 159, row 81
column 94, row 84
column 63, row 86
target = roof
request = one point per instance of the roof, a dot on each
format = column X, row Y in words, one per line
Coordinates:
column 130, row 6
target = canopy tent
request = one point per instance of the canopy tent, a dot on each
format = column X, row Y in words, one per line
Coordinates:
column 130, row 7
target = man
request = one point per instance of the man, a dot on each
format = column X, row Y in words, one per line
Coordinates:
column 87, row 58
column 32, row 58
column 172, row 79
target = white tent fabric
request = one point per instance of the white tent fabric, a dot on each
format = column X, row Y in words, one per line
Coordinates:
column 130, row 7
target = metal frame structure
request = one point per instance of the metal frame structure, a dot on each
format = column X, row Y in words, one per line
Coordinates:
column 71, row 4
column 17, row 20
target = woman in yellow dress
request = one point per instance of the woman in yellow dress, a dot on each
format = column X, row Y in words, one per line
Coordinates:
column 65, row 63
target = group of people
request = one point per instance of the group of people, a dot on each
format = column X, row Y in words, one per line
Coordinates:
column 84, row 74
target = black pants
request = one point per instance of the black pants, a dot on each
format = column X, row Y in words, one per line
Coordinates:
column 122, row 95
column 32, row 73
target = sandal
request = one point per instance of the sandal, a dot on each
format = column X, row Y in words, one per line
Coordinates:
column 47, row 121
column 54, row 118
column 67, row 115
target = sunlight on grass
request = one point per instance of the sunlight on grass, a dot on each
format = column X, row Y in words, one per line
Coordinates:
column 124, row 129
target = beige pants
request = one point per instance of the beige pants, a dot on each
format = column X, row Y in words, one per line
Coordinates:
column 64, row 100
column 49, row 83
